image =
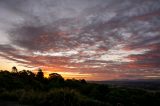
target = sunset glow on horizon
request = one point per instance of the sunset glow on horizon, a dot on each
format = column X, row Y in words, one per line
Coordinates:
column 82, row 39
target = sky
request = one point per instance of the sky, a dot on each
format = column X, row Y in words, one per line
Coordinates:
column 90, row 39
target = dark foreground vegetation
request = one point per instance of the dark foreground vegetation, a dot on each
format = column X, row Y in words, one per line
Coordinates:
column 29, row 89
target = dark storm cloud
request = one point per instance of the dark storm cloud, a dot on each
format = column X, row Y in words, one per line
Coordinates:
column 94, row 35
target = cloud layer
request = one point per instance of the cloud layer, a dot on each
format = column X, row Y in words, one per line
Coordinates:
column 106, row 39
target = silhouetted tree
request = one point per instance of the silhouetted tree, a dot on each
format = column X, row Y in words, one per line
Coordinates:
column 83, row 81
column 40, row 74
column 26, row 74
column 14, row 69
column 31, row 74
column 55, row 77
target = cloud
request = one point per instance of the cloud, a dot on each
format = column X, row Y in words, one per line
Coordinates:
column 91, row 37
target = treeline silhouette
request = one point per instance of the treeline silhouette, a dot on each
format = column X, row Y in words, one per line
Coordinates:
column 26, row 87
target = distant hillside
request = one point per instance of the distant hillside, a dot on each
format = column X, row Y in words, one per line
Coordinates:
column 151, row 84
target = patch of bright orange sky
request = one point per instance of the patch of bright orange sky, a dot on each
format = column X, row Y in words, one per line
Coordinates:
column 7, row 65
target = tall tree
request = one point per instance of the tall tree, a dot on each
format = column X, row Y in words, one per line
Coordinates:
column 40, row 74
